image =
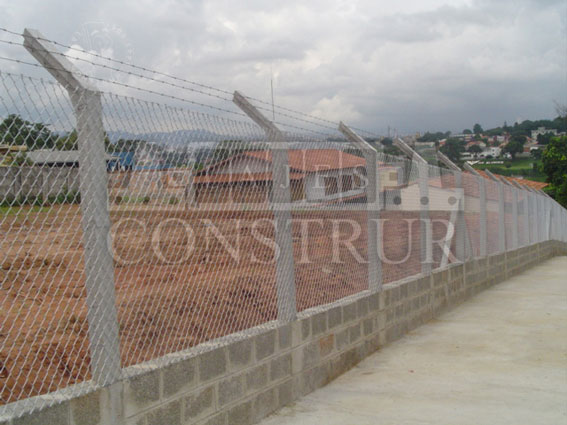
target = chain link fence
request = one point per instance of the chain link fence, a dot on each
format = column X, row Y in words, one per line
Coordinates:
column 133, row 229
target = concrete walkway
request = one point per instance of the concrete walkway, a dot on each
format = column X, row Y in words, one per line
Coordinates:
column 500, row 358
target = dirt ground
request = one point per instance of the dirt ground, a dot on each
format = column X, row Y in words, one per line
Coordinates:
column 169, row 297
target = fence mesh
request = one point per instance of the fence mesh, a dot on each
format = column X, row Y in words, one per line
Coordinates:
column 189, row 253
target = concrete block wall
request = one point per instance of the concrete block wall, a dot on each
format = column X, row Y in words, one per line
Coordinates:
column 242, row 378
column 35, row 181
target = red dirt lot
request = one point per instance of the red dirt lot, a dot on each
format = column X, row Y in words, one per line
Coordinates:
column 173, row 291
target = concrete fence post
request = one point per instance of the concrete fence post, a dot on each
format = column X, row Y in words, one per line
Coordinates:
column 372, row 207
column 501, row 218
column 426, row 234
column 425, row 223
column 483, row 217
column 99, row 268
column 530, row 220
column 526, row 208
column 460, row 230
column 515, row 219
column 281, row 204
column 501, row 213
column 542, row 218
column 549, row 219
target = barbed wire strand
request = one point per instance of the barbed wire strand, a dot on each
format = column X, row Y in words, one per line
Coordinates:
column 208, row 87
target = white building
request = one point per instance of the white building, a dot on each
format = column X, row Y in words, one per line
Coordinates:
column 543, row 130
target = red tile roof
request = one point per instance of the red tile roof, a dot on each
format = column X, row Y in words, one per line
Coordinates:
column 303, row 160
column 240, row 177
column 524, row 182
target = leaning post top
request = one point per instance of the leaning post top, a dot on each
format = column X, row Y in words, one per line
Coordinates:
column 355, row 139
column 408, row 151
column 240, row 100
column 55, row 62
column 445, row 160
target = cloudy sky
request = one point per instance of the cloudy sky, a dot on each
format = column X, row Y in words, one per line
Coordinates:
column 412, row 65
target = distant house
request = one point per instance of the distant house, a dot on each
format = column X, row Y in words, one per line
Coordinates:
column 315, row 175
column 542, row 131
column 57, row 158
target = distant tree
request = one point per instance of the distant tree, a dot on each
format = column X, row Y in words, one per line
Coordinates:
column 433, row 137
column 467, row 131
column 393, row 150
column 127, row 145
column 453, row 148
column 515, row 145
column 386, row 141
column 475, row 149
column 544, row 139
column 67, row 142
column 536, row 153
column 477, row 129
column 554, row 165
column 14, row 130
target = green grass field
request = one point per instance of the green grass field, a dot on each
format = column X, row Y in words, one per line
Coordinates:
column 519, row 167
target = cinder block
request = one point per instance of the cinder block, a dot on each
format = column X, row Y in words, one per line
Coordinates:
column 284, row 336
column 241, row 414
column 240, row 353
column 440, row 277
column 305, row 328
column 179, row 377
column 85, row 410
column 368, row 326
column 280, row 367
column 54, row 415
column 141, row 391
column 395, row 294
column 310, row 355
column 374, row 302
column 265, row 403
column 212, row 364
column 456, row 272
column 385, row 298
column 312, row 379
column 140, row 420
column 265, row 344
column 404, row 292
column 341, row 338
column 354, row 333
column 424, row 283
column 218, row 419
column 381, row 320
column 285, row 393
column 169, row 414
column 349, row 312
column 362, row 307
column 319, row 323
column 335, row 317
column 326, row 345
column 257, row 378
column 399, row 311
column 200, row 403
column 230, row 389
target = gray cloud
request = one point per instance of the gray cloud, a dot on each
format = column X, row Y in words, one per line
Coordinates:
column 420, row 65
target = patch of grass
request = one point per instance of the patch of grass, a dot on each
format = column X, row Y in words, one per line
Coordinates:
column 519, row 167
column 6, row 210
